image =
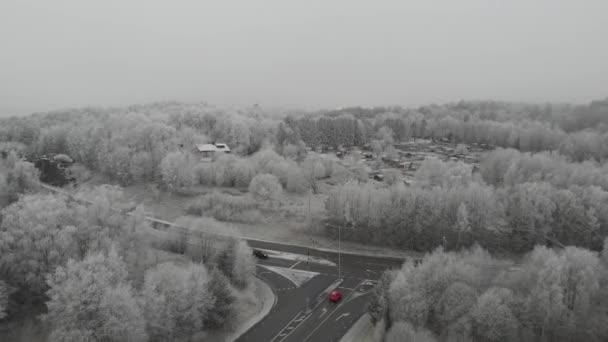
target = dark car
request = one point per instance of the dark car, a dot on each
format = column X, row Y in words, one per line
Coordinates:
column 259, row 254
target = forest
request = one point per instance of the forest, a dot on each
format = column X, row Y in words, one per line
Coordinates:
column 538, row 198
column 550, row 295
column 76, row 272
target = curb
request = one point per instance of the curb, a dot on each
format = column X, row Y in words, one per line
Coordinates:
column 358, row 331
column 266, row 307
column 329, row 250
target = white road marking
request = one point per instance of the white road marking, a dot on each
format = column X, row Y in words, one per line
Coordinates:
column 281, row 334
column 298, row 257
column 336, row 309
column 296, row 264
column 342, row 315
column 323, row 312
column 346, row 288
column 297, row 277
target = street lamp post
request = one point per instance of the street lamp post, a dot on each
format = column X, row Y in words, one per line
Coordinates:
column 339, row 250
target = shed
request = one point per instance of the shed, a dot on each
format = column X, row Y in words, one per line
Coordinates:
column 210, row 150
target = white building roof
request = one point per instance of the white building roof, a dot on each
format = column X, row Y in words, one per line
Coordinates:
column 218, row 147
column 222, row 147
column 206, row 148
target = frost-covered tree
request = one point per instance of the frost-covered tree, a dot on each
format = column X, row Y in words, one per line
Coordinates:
column 3, row 192
column 244, row 265
column 405, row 332
column 176, row 301
column 386, row 136
column 297, row 180
column 22, row 177
column 236, row 262
column 462, row 222
column 266, row 187
column 392, row 176
column 177, row 170
column 3, row 299
column 378, row 306
column 493, row 319
column 36, row 236
column 222, row 312
column 91, row 300
column 455, row 302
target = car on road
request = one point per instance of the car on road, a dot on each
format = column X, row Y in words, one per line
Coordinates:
column 335, row 296
column 259, row 254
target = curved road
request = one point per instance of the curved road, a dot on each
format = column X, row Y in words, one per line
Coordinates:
column 304, row 313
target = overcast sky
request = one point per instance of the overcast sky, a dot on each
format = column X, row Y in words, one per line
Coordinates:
column 306, row 53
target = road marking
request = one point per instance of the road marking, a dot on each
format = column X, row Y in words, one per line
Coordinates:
column 323, row 313
column 337, row 307
column 281, row 334
column 346, row 288
column 296, row 264
column 308, row 315
column 297, row 277
column 342, row 315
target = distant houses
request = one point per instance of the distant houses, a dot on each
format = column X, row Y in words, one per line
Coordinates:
column 208, row 151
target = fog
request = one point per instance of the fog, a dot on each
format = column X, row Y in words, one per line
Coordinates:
column 307, row 54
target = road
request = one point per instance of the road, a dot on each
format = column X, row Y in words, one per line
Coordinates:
column 304, row 313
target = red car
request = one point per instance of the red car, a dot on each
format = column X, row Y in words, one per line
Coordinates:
column 335, row 296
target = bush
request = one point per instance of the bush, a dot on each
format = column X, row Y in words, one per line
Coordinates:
column 265, row 187
column 224, row 207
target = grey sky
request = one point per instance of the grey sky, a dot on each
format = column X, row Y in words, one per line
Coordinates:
column 313, row 53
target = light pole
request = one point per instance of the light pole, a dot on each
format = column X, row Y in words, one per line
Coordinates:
column 339, row 249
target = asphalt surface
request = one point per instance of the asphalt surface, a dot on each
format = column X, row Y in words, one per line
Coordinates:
column 304, row 313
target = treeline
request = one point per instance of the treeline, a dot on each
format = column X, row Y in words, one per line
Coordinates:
column 508, row 167
column 128, row 144
column 522, row 200
column 294, row 171
column 552, row 295
column 568, row 117
column 93, row 269
column 527, row 128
